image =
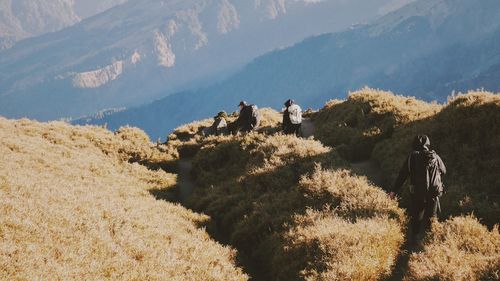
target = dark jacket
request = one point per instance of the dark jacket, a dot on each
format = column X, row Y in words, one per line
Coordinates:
column 248, row 120
column 416, row 166
column 287, row 123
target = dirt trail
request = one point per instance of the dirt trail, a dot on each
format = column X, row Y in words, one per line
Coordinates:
column 184, row 181
column 368, row 168
column 374, row 173
column 371, row 170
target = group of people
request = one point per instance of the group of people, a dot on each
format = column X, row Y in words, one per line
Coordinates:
column 423, row 166
column 250, row 117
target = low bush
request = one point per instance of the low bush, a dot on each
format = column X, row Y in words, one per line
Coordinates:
column 460, row 249
column 368, row 116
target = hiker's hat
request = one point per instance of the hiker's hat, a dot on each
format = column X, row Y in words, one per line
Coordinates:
column 243, row 103
column 421, row 142
column 289, row 102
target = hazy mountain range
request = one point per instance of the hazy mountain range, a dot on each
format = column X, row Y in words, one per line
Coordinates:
column 146, row 49
column 426, row 49
column 20, row 19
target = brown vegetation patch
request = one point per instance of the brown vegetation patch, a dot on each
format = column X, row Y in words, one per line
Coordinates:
column 466, row 134
column 187, row 139
column 260, row 189
column 74, row 207
column 460, row 249
column 368, row 116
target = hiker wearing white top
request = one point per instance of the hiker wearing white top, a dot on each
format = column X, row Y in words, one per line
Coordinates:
column 292, row 118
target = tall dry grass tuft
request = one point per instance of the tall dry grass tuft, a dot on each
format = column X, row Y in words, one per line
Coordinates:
column 466, row 134
column 286, row 204
column 460, row 249
column 368, row 116
column 75, row 205
column 328, row 247
column 354, row 233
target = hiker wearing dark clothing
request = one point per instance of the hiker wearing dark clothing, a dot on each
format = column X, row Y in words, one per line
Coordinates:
column 249, row 118
column 292, row 118
column 219, row 127
column 424, row 167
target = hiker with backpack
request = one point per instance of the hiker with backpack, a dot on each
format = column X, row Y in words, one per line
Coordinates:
column 425, row 168
column 219, row 126
column 249, row 118
column 292, row 118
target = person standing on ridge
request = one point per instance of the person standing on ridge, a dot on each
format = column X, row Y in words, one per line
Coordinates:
column 292, row 118
column 249, row 118
column 424, row 167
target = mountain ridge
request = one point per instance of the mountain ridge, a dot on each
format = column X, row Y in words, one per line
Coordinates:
column 416, row 56
column 163, row 46
column 23, row 19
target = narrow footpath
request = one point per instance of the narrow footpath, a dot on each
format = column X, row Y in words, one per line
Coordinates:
column 184, row 180
column 374, row 173
column 368, row 168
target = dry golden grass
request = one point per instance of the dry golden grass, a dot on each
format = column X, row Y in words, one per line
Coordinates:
column 466, row 134
column 367, row 116
column 74, row 207
column 292, row 219
column 356, row 236
column 460, row 249
column 333, row 248
column 77, row 200
column 187, row 139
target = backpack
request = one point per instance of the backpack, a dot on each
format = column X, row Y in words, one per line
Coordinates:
column 295, row 114
column 255, row 116
column 428, row 164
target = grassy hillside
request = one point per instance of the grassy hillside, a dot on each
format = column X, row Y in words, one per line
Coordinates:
column 187, row 140
column 459, row 249
column 368, row 116
column 78, row 200
column 76, row 205
column 465, row 131
column 466, row 134
column 291, row 206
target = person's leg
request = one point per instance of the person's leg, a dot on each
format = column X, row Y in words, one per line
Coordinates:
column 417, row 212
column 297, row 130
column 431, row 209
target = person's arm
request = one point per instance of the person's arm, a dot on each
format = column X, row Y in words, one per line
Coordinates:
column 403, row 175
column 239, row 122
column 442, row 167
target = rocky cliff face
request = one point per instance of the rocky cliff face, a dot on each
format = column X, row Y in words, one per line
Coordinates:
column 20, row 19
